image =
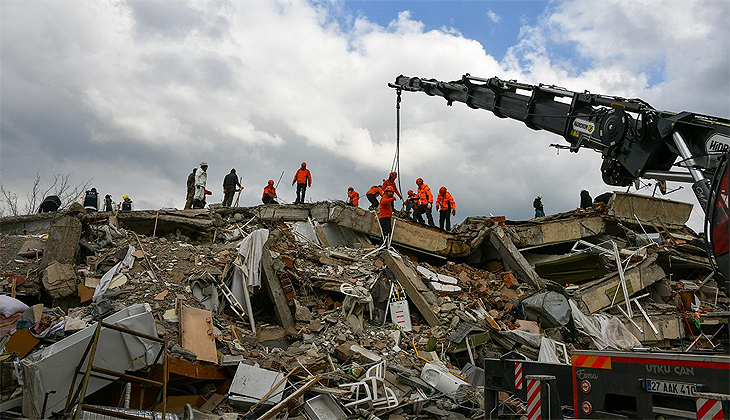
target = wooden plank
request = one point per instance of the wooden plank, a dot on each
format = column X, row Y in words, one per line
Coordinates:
column 409, row 280
column 196, row 333
column 513, row 257
column 275, row 291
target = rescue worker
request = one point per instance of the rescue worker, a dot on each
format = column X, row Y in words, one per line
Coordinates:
column 190, row 190
column 353, row 198
column 126, row 205
column 50, row 204
column 385, row 213
column 201, row 179
column 425, row 203
column 539, row 209
column 411, row 202
column 447, row 208
column 230, row 185
column 303, row 179
column 108, row 203
column 91, row 200
column 390, row 182
column 269, row 195
column 586, row 201
column 372, row 196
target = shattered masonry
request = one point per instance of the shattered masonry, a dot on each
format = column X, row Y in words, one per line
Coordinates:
column 291, row 310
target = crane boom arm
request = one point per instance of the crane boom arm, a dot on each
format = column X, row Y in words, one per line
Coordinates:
column 632, row 136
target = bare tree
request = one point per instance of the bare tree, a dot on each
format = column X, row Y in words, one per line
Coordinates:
column 61, row 187
column 8, row 203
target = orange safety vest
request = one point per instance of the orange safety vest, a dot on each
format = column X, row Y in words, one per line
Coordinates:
column 445, row 202
column 424, row 194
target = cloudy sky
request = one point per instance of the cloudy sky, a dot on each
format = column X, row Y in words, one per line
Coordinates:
column 136, row 93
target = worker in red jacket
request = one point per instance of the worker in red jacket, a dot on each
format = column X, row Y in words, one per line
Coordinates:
column 353, row 198
column 447, row 207
column 269, row 195
column 390, row 182
column 425, row 203
column 372, row 196
column 303, row 179
column 385, row 214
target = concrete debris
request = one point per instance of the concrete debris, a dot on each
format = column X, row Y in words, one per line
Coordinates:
column 278, row 303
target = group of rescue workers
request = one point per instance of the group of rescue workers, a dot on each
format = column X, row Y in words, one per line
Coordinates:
column 381, row 197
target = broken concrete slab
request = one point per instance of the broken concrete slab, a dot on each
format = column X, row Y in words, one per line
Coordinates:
column 59, row 280
column 413, row 286
column 628, row 207
column 556, row 231
column 63, row 241
column 31, row 248
column 598, row 294
column 501, row 241
column 275, row 290
column 406, row 233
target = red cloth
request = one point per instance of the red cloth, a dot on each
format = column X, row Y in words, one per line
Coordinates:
column 303, row 176
column 386, row 206
column 354, row 198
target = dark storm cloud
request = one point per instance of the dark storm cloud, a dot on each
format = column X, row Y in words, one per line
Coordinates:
column 136, row 95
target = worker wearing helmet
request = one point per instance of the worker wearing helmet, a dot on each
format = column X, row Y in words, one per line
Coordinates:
column 425, row 203
column 537, row 205
column 411, row 201
column 385, row 213
column 91, row 200
column 231, row 185
column 390, row 182
column 302, row 178
column 447, row 208
column 201, row 179
column 353, row 198
column 372, row 196
column 269, row 196
column 126, row 205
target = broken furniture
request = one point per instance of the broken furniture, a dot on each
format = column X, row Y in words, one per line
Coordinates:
column 75, row 398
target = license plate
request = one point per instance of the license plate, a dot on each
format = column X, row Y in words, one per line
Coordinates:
column 673, row 388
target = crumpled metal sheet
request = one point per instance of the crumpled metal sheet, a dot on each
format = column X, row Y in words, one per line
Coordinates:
column 53, row 367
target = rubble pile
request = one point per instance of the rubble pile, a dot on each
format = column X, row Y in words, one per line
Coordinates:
column 297, row 311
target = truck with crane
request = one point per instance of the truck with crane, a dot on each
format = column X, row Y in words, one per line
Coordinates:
column 635, row 141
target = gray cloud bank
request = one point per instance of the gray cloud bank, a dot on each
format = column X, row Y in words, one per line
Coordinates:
column 135, row 94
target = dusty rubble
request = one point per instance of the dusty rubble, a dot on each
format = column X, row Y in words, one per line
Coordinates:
column 295, row 311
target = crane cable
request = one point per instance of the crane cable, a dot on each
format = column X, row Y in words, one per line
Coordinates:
column 395, row 167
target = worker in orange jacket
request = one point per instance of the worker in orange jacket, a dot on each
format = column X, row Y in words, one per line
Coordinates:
column 302, row 178
column 447, row 207
column 425, row 203
column 411, row 201
column 385, row 213
column 269, row 195
column 390, row 182
column 353, row 198
column 372, row 196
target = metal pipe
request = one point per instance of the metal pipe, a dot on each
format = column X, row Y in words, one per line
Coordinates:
column 701, row 185
column 668, row 176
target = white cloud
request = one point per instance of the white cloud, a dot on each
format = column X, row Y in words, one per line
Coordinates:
column 494, row 17
column 136, row 92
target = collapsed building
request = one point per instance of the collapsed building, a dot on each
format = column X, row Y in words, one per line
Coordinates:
column 297, row 311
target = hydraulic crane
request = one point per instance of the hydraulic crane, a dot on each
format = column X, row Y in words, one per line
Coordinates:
column 635, row 139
